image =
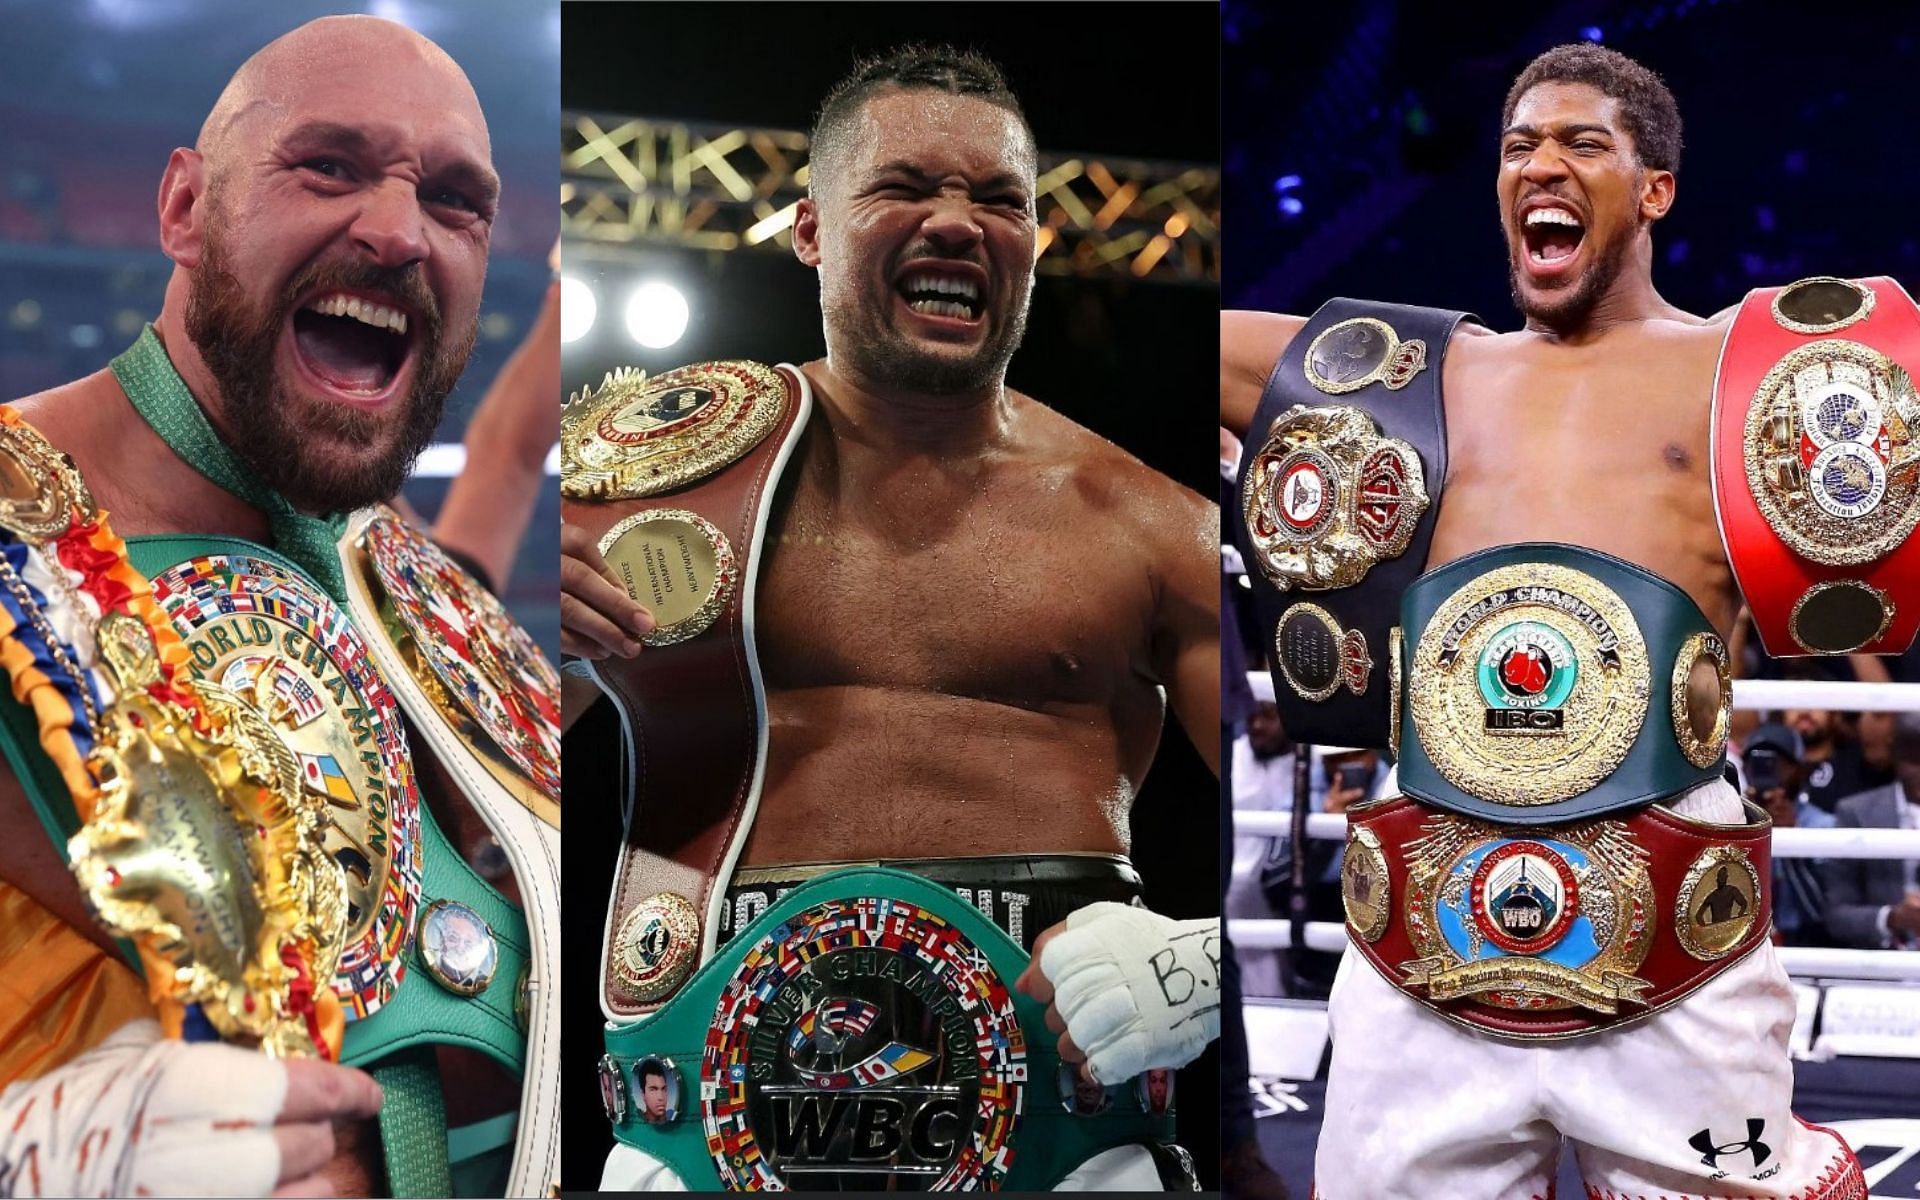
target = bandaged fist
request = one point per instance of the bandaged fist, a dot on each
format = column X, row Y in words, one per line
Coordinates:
column 1128, row 990
column 140, row 1115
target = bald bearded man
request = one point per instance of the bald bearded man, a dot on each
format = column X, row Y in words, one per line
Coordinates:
column 329, row 232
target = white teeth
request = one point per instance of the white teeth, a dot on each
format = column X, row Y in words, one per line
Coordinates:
column 944, row 284
column 365, row 311
column 1553, row 216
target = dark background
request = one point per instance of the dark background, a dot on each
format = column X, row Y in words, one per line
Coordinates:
column 1360, row 147
column 1134, row 361
column 1798, row 159
column 95, row 94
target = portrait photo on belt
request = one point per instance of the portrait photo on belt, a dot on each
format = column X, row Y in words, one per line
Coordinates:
column 1515, row 578
column 888, row 595
column 279, row 879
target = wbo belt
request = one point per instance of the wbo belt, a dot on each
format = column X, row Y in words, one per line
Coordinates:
column 1539, row 683
column 1341, row 475
column 864, row 1028
column 673, row 476
column 1547, row 933
column 1816, row 464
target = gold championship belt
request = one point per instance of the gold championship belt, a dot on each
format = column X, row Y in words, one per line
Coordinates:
column 1326, row 497
column 197, row 840
column 256, row 627
column 673, row 477
column 1816, row 444
column 640, row 436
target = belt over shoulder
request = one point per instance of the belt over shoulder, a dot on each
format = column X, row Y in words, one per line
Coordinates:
column 1338, row 487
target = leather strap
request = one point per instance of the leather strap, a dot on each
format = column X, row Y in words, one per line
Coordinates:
column 1414, row 413
column 1776, row 580
column 694, row 712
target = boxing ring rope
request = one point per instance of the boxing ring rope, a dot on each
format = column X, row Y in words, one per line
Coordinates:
column 1750, row 694
column 1763, row 694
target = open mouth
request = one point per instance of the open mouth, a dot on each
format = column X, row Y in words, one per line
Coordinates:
column 352, row 343
column 1552, row 236
column 939, row 294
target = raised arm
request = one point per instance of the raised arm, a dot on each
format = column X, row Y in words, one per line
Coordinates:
column 1250, row 343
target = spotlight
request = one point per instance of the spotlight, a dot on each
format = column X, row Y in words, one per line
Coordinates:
column 577, row 309
column 657, row 315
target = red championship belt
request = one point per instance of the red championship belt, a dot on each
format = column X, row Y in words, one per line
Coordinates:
column 672, row 476
column 1552, row 931
column 1816, row 464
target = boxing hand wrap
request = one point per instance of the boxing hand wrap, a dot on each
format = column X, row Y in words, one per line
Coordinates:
column 142, row 1115
column 1137, row 990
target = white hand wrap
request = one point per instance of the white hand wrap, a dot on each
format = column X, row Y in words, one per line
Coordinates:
column 1136, row 989
column 141, row 1115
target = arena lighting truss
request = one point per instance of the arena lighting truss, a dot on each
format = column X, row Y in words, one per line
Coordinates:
column 1846, row 842
column 713, row 187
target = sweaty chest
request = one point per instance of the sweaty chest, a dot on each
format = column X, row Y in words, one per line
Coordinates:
column 1577, row 437
column 1012, row 599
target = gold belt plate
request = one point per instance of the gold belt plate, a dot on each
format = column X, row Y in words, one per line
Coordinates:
column 1832, row 452
column 640, row 436
column 1529, row 684
column 1327, row 496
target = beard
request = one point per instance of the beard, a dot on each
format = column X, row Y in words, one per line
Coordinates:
column 877, row 349
column 323, row 457
column 1569, row 307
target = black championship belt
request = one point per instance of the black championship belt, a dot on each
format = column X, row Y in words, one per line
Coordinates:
column 1339, row 481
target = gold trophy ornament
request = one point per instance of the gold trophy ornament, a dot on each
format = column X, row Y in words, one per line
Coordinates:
column 196, row 841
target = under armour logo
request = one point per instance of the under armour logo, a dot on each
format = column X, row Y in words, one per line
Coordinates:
column 1710, row 1153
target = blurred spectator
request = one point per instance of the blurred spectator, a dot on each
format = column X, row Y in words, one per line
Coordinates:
column 1262, row 774
column 1340, row 779
column 1874, row 903
column 1770, row 764
column 1834, row 762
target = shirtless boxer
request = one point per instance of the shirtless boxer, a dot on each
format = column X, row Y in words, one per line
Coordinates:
column 347, row 158
column 1607, row 390
column 972, row 614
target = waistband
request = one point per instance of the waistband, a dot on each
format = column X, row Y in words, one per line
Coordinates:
column 1538, row 683
column 1553, row 933
column 1021, row 894
column 865, row 1025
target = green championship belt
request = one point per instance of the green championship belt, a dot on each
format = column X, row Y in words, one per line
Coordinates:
column 434, row 954
column 864, row 1031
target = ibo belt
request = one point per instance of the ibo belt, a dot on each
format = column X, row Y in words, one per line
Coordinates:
column 1544, row 683
column 863, row 1032
column 1543, row 933
column 1816, row 464
column 1342, row 470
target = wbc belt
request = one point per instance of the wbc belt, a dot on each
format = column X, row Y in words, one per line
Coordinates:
column 672, row 476
column 1538, row 683
column 864, row 1032
column 1816, row 464
column 1342, row 469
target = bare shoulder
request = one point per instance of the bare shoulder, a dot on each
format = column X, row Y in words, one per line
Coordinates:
column 1114, row 484
column 67, row 414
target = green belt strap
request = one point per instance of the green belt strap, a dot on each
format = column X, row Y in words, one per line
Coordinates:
column 413, row 1124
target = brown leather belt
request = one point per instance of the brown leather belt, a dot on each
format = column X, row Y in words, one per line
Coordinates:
column 691, row 703
column 1555, row 931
